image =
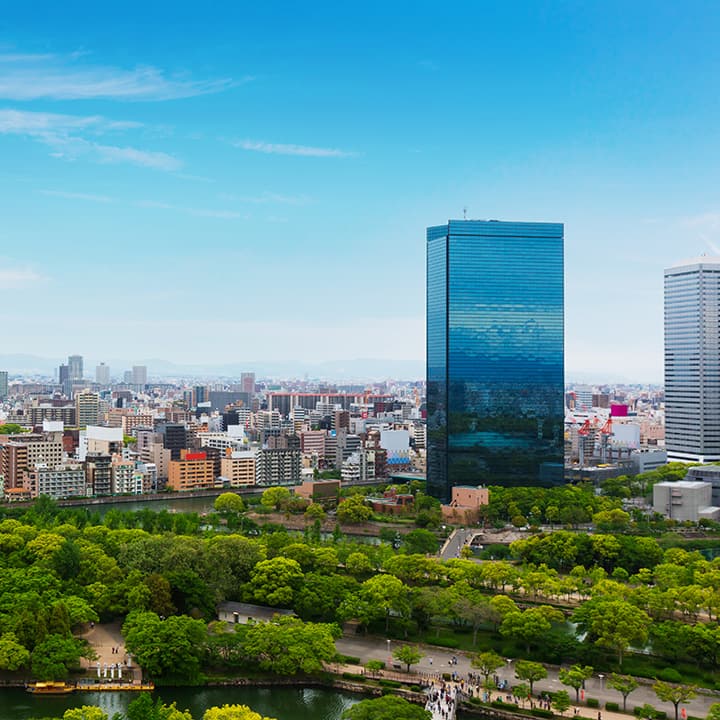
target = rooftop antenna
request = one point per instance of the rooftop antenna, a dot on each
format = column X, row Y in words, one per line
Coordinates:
column 465, row 213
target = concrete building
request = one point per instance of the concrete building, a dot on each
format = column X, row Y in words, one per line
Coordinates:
column 278, row 467
column 465, row 505
column 247, row 382
column 98, row 469
column 75, row 367
column 692, row 360
column 125, row 478
column 238, row 468
column 3, row 384
column 685, row 500
column 193, row 471
column 709, row 474
column 23, row 453
column 139, row 375
column 87, row 408
column 320, row 491
column 102, row 374
column 57, row 481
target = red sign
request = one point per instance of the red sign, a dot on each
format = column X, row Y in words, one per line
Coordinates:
column 196, row 456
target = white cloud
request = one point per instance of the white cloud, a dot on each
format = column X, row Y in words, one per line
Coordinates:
column 65, row 135
column 268, row 198
column 33, row 77
column 285, row 149
column 14, row 278
column 77, row 196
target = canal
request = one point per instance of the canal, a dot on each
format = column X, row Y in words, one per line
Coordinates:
column 283, row 703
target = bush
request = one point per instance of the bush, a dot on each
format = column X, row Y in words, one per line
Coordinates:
column 670, row 675
column 612, row 706
column 505, row 706
column 348, row 660
column 660, row 715
column 390, row 683
column 592, row 702
column 446, row 642
column 353, row 676
column 447, row 677
column 539, row 712
column 415, row 688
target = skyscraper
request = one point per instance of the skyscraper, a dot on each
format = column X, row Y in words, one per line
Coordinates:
column 102, row 374
column 3, row 384
column 495, row 358
column 139, row 375
column 75, row 365
column 692, row 360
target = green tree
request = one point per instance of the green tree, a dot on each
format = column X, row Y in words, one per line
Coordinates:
column 647, row 712
column 388, row 707
column 315, row 511
column 614, row 624
column 358, row 564
column 487, row 663
column 386, row 594
column 287, row 645
column 233, row 712
column 54, row 656
column 530, row 672
column 275, row 497
column 575, row 678
column 532, row 625
column 13, row 655
column 624, row 684
column 714, row 712
column 374, row 666
column 561, row 701
column 275, row 582
column 354, row 510
column 408, row 655
column 86, row 712
column 675, row 694
column 420, row 542
column 229, row 503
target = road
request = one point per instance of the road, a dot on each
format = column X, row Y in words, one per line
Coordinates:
column 437, row 660
column 455, row 543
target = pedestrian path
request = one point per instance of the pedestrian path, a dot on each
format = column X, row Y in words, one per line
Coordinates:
column 441, row 702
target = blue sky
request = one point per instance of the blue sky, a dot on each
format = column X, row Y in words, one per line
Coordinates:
column 257, row 178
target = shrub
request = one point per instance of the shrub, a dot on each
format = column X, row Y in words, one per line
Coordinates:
column 539, row 712
column 415, row 688
column 505, row 706
column 447, row 677
column 390, row 683
column 592, row 702
column 353, row 676
column 670, row 675
column 612, row 706
column 446, row 642
column 348, row 659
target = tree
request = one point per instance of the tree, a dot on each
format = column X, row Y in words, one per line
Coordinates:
column 530, row 672
column 408, row 655
column 624, row 684
column 386, row 594
column 13, row 655
column 714, row 712
column 374, row 666
column 229, row 503
column 315, row 511
column 54, row 656
column 274, row 497
column 275, row 582
column 575, row 678
column 487, row 663
column 561, row 701
column 674, row 694
column 86, row 712
column 614, row 624
column 354, row 510
column 420, row 542
column 532, row 625
column 358, row 564
column 233, row 712
column 287, row 645
column 647, row 712
column 388, row 707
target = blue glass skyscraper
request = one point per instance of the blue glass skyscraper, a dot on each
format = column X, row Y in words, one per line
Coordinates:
column 495, row 357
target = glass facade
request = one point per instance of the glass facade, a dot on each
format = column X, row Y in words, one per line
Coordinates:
column 495, row 357
column 692, row 361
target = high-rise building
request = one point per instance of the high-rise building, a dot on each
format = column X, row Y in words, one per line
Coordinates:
column 247, row 382
column 494, row 354
column 87, row 408
column 64, row 379
column 139, row 375
column 75, row 367
column 692, row 360
column 3, row 384
column 102, row 374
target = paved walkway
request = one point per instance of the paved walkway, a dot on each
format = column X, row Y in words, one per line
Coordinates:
column 442, row 703
column 438, row 661
column 107, row 641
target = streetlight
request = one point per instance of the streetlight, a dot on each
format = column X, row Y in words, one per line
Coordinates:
column 389, row 655
column 602, row 680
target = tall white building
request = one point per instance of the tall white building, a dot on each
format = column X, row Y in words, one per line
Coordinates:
column 692, row 360
column 139, row 375
column 102, row 374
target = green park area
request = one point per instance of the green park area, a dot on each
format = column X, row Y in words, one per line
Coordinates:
column 629, row 597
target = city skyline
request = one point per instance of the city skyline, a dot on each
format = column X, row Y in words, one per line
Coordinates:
column 291, row 155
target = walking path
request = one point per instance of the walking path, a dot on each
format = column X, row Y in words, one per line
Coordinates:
column 112, row 660
column 441, row 701
column 438, row 662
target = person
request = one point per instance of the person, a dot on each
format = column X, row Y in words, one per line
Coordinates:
column 430, row 660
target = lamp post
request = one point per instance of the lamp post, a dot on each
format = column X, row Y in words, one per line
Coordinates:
column 389, row 655
column 602, row 680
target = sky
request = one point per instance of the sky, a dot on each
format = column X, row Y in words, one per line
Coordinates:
column 213, row 183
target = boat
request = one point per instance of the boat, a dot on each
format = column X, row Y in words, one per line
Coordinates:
column 50, row 688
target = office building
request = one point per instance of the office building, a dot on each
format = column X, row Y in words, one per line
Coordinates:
column 87, row 408
column 685, row 500
column 75, row 367
column 102, row 374
column 692, row 361
column 247, row 382
column 193, row 471
column 57, row 481
column 494, row 354
column 139, row 375
column 64, row 380
column 3, row 384
column 238, row 468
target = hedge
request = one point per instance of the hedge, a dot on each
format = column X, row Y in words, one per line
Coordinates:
column 390, row 683
column 612, row 706
column 592, row 702
column 539, row 712
column 354, row 676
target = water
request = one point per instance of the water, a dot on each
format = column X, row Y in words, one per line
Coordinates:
column 283, row 703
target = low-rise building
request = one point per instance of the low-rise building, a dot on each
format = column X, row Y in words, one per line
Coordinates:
column 58, row 481
column 465, row 504
column 193, row 471
column 685, row 500
column 238, row 468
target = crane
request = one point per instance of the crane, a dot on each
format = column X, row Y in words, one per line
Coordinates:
column 606, row 432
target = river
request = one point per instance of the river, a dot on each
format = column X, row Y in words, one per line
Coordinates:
column 283, row 703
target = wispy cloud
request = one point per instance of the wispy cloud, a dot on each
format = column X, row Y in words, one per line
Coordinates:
column 65, row 134
column 61, row 77
column 267, row 198
column 195, row 212
column 77, row 196
column 13, row 278
column 286, row 149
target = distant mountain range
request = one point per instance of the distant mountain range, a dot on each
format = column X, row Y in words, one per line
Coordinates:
column 356, row 370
